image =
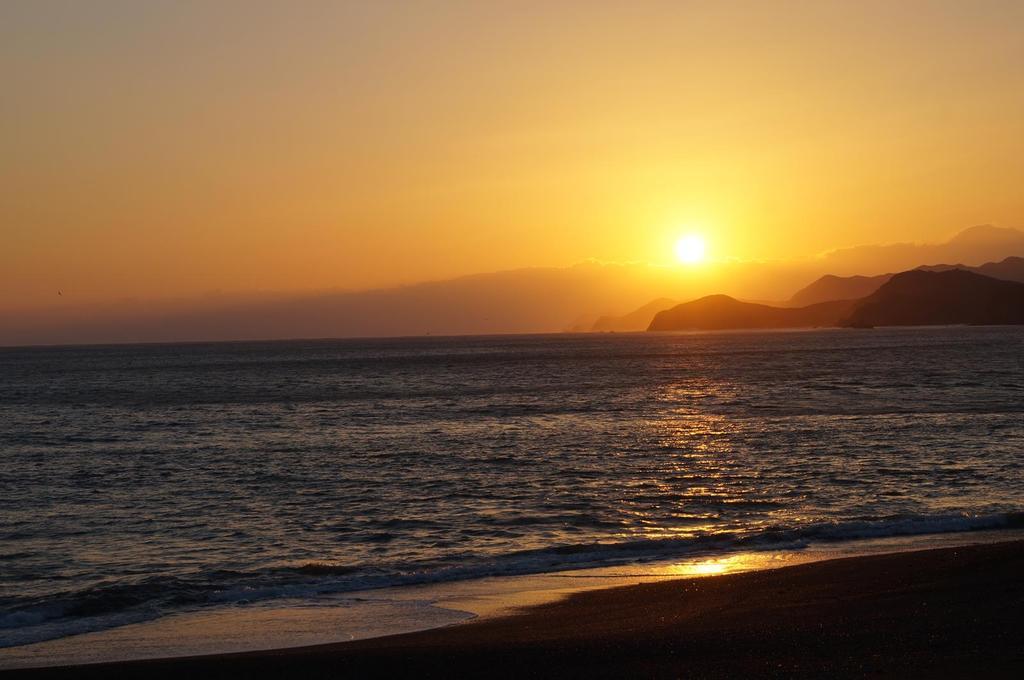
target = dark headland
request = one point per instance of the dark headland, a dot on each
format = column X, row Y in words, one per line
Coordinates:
column 721, row 312
column 922, row 298
column 914, row 298
column 953, row 612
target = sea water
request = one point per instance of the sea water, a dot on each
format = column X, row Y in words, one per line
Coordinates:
column 142, row 482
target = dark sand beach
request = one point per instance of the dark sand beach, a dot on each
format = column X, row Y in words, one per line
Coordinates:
column 937, row 613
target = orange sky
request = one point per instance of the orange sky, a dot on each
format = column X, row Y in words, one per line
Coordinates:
column 170, row 149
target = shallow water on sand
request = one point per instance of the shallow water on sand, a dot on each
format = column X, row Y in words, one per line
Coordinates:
column 138, row 482
column 282, row 623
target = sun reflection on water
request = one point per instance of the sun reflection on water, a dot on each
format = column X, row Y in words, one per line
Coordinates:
column 708, row 568
column 731, row 564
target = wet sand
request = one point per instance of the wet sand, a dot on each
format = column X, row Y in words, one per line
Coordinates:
column 951, row 612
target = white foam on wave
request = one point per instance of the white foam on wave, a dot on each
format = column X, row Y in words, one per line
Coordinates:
column 51, row 620
column 386, row 611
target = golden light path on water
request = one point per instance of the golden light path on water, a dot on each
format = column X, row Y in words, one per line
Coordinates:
column 714, row 566
column 695, row 478
column 707, row 485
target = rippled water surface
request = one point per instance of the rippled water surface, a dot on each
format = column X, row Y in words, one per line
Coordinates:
column 141, row 480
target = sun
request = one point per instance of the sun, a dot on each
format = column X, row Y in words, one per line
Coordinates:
column 690, row 249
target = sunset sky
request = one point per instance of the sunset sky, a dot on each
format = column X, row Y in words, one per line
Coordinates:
column 162, row 149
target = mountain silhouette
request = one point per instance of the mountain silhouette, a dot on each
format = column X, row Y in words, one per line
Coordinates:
column 914, row 298
column 927, row 298
column 721, row 312
column 831, row 287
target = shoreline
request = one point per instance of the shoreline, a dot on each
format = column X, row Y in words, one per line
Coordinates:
column 286, row 623
column 947, row 609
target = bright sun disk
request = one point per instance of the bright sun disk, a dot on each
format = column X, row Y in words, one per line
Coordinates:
column 690, row 249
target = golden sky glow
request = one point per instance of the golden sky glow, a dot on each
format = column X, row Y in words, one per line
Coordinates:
column 164, row 149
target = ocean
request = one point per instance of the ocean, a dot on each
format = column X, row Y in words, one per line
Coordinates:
column 141, row 481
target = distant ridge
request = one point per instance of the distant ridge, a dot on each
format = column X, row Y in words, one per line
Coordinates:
column 637, row 320
column 831, row 287
column 1009, row 269
column 927, row 298
column 984, row 243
